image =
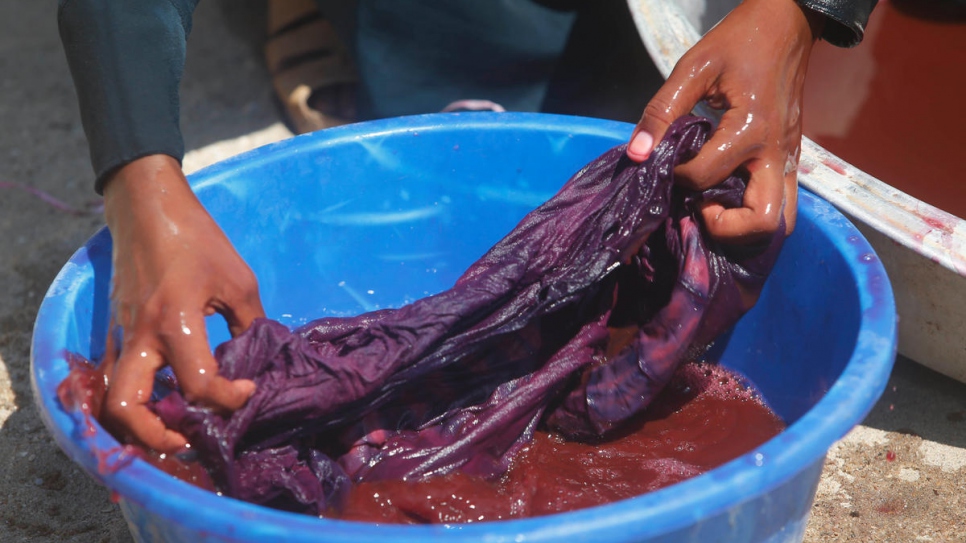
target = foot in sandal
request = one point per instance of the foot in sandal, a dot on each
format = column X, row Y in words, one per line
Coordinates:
column 312, row 72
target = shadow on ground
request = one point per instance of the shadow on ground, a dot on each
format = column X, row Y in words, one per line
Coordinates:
column 920, row 402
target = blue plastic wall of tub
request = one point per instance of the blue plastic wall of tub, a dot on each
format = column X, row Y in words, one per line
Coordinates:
column 379, row 214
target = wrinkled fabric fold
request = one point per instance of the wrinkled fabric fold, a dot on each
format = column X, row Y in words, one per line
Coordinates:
column 574, row 321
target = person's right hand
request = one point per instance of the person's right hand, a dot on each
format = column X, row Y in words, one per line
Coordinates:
column 752, row 66
column 172, row 267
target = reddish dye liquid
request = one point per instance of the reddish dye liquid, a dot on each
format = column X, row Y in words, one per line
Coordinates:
column 892, row 106
column 83, row 390
column 704, row 418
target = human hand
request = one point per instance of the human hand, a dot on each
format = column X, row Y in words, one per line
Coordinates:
column 751, row 65
column 172, row 267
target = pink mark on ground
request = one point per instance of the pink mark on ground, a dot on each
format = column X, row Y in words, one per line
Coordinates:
column 91, row 208
column 891, row 506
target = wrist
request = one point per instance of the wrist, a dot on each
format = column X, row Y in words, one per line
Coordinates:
column 146, row 186
column 785, row 17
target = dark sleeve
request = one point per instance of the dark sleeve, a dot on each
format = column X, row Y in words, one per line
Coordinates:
column 845, row 20
column 126, row 59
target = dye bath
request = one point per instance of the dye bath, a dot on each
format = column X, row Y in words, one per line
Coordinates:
column 83, row 390
column 704, row 417
column 892, row 106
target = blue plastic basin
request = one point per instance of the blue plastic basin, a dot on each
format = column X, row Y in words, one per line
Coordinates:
column 379, row 214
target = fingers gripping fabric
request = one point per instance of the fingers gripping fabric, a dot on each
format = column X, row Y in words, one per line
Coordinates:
column 575, row 320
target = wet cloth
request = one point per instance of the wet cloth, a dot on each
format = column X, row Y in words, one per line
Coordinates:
column 526, row 337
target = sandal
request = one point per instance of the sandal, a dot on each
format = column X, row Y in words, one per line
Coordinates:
column 311, row 70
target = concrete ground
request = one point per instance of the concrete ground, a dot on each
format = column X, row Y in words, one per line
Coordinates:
column 900, row 476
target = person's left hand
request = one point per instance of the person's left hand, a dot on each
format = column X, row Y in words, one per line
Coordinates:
column 751, row 65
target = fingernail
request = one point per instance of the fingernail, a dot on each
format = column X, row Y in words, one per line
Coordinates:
column 641, row 146
column 246, row 387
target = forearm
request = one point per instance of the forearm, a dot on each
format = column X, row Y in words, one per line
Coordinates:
column 126, row 59
column 845, row 19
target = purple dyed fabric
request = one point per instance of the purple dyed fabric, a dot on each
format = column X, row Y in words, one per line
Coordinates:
column 460, row 380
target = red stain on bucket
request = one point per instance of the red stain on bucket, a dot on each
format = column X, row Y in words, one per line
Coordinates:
column 835, row 166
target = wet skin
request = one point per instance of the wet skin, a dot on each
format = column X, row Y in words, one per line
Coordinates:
column 752, row 66
column 173, row 265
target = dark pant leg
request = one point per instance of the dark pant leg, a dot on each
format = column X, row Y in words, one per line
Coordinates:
column 417, row 56
column 605, row 71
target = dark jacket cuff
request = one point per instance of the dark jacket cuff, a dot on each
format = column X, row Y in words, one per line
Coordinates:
column 845, row 20
column 126, row 59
